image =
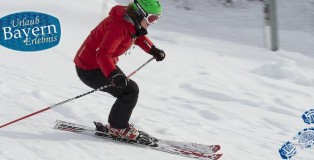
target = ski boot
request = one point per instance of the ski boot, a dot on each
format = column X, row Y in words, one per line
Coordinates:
column 129, row 133
column 132, row 134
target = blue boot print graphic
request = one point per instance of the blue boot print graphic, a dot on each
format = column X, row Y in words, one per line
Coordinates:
column 287, row 151
column 308, row 117
column 304, row 139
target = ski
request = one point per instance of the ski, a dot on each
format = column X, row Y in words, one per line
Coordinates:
column 191, row 150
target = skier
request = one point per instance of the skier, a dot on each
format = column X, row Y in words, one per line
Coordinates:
column 96, row 60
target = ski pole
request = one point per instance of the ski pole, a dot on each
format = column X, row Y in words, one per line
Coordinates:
column 71, row 99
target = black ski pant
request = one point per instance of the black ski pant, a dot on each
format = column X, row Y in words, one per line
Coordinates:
column 126, row 97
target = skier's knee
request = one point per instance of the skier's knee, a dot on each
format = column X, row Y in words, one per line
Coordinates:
column 134, row 88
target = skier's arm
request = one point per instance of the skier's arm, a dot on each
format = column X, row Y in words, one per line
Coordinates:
column 107, row 48
column 144, row 43
column 150, row 48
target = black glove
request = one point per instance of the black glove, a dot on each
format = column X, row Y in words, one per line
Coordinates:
column 118, row 79
column 158, row 54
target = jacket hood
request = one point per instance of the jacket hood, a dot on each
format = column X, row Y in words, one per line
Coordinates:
column 118, row 12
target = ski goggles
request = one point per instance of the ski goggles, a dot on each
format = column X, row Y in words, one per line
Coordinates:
column 152, row 18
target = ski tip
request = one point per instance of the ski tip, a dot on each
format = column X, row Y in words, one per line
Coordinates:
column 212, row 157
column 218, row 156
column 216, row 148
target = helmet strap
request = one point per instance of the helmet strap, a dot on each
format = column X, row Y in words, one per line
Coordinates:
column 139, row 16
column 140, row 31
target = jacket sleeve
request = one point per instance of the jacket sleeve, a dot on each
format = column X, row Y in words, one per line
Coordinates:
column 144, row 43
column 110, row 42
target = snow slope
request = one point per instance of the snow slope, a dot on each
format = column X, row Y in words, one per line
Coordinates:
column 217, row 85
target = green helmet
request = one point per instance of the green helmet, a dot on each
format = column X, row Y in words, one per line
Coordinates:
column 147, row 7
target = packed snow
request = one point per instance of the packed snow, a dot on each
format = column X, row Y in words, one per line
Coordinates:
column 217, row 84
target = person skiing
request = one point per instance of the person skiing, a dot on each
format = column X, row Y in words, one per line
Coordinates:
column 97, row 58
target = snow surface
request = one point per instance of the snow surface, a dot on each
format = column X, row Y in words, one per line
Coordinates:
column 217, row 85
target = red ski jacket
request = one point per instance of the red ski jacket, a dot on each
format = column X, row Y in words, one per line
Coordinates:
column 110, row 39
